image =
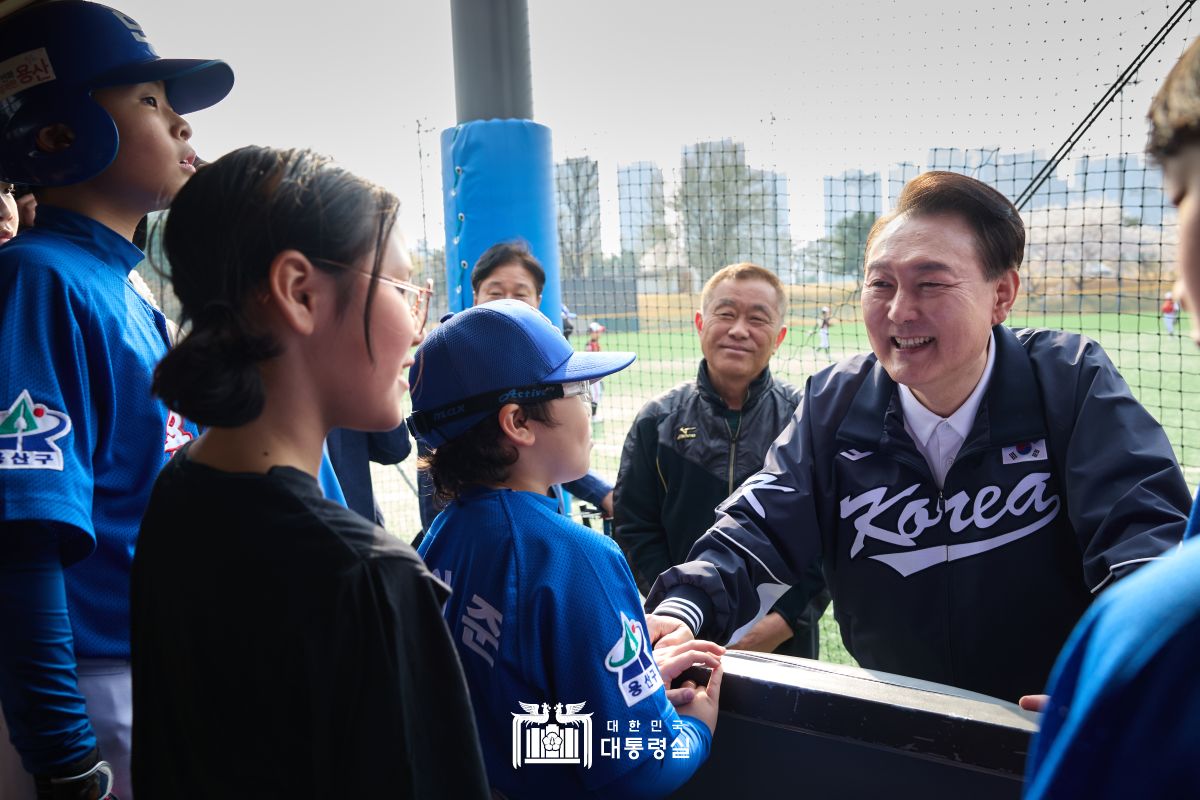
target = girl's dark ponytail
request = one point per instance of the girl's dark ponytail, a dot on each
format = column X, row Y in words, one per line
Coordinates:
column 211, row 376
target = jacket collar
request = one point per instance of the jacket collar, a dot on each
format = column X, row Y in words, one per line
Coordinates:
column 106, row 245
column 758, row 387
column 921, row 423
column 1011, row 410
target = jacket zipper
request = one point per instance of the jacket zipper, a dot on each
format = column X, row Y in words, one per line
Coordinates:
column 732, row 452
column 922, row 465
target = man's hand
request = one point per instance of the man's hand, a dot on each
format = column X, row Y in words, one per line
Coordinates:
column 767, row 634
column 606, row 506
column 667, row 631
column 1034, row 702
column 672, row 660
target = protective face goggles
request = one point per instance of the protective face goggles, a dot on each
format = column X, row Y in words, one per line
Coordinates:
column 422, row 423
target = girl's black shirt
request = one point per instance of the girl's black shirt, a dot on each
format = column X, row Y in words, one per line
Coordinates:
column 283, row 646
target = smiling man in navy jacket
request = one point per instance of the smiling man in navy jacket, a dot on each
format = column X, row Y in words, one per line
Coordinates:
column 968, row 488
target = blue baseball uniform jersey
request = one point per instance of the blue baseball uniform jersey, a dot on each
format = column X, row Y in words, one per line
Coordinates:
column 1124, row 710
column 546, row 617
column 81, row 436
column 328, row 479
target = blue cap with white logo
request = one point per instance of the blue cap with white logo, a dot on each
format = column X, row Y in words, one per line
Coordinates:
column 480, row 359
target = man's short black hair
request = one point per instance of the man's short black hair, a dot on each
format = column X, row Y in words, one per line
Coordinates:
column 993, row 219
column 499, row 255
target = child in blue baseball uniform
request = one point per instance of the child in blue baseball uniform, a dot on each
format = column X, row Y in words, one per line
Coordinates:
column 568, row 699
column 1123, row 714
column 509, row 270
column 91, row 118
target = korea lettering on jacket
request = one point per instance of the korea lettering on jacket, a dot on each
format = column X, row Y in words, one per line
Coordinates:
column 1064, row 484
column 915, row 518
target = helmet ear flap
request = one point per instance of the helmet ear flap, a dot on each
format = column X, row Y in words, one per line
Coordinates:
column 52, row 56
column 84, row 144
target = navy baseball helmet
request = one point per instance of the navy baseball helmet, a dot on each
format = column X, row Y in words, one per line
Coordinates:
column 480, row 359
column 52, row 56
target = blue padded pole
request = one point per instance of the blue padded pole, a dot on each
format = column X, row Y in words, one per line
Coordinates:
column 498, row 185
column 497, row 174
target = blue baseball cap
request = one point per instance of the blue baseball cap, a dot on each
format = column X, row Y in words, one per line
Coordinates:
column 53, row 56
column 480, row 359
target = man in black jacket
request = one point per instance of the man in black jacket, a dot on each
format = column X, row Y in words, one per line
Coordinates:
column 690, row 448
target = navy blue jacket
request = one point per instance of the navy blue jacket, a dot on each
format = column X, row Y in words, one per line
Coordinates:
column 351, row 453
column 1064, row 484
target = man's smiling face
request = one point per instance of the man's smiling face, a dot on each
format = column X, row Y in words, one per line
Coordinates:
column 740, row 328
column 929, row 308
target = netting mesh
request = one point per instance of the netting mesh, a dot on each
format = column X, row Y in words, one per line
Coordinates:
column 802, row 159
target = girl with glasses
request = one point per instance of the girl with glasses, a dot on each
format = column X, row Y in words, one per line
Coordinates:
column 284, row 646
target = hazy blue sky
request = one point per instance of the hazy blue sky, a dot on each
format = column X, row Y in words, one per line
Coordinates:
column 811, row 88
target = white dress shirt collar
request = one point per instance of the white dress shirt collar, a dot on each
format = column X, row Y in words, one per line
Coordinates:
column 922, row 424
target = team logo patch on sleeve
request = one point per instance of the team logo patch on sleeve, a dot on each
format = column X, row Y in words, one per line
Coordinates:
column 177, row 435
column 1025, row 451
column 28, row 431
column 630, row 659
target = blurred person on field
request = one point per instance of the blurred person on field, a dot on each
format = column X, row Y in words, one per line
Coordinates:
column 1170, row 312
column 823, row 325
column 595, row 331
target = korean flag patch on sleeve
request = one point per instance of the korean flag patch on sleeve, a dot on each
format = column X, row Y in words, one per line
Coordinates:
column 1025, row 451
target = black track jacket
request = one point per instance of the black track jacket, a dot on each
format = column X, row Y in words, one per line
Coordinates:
column 681, row 460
